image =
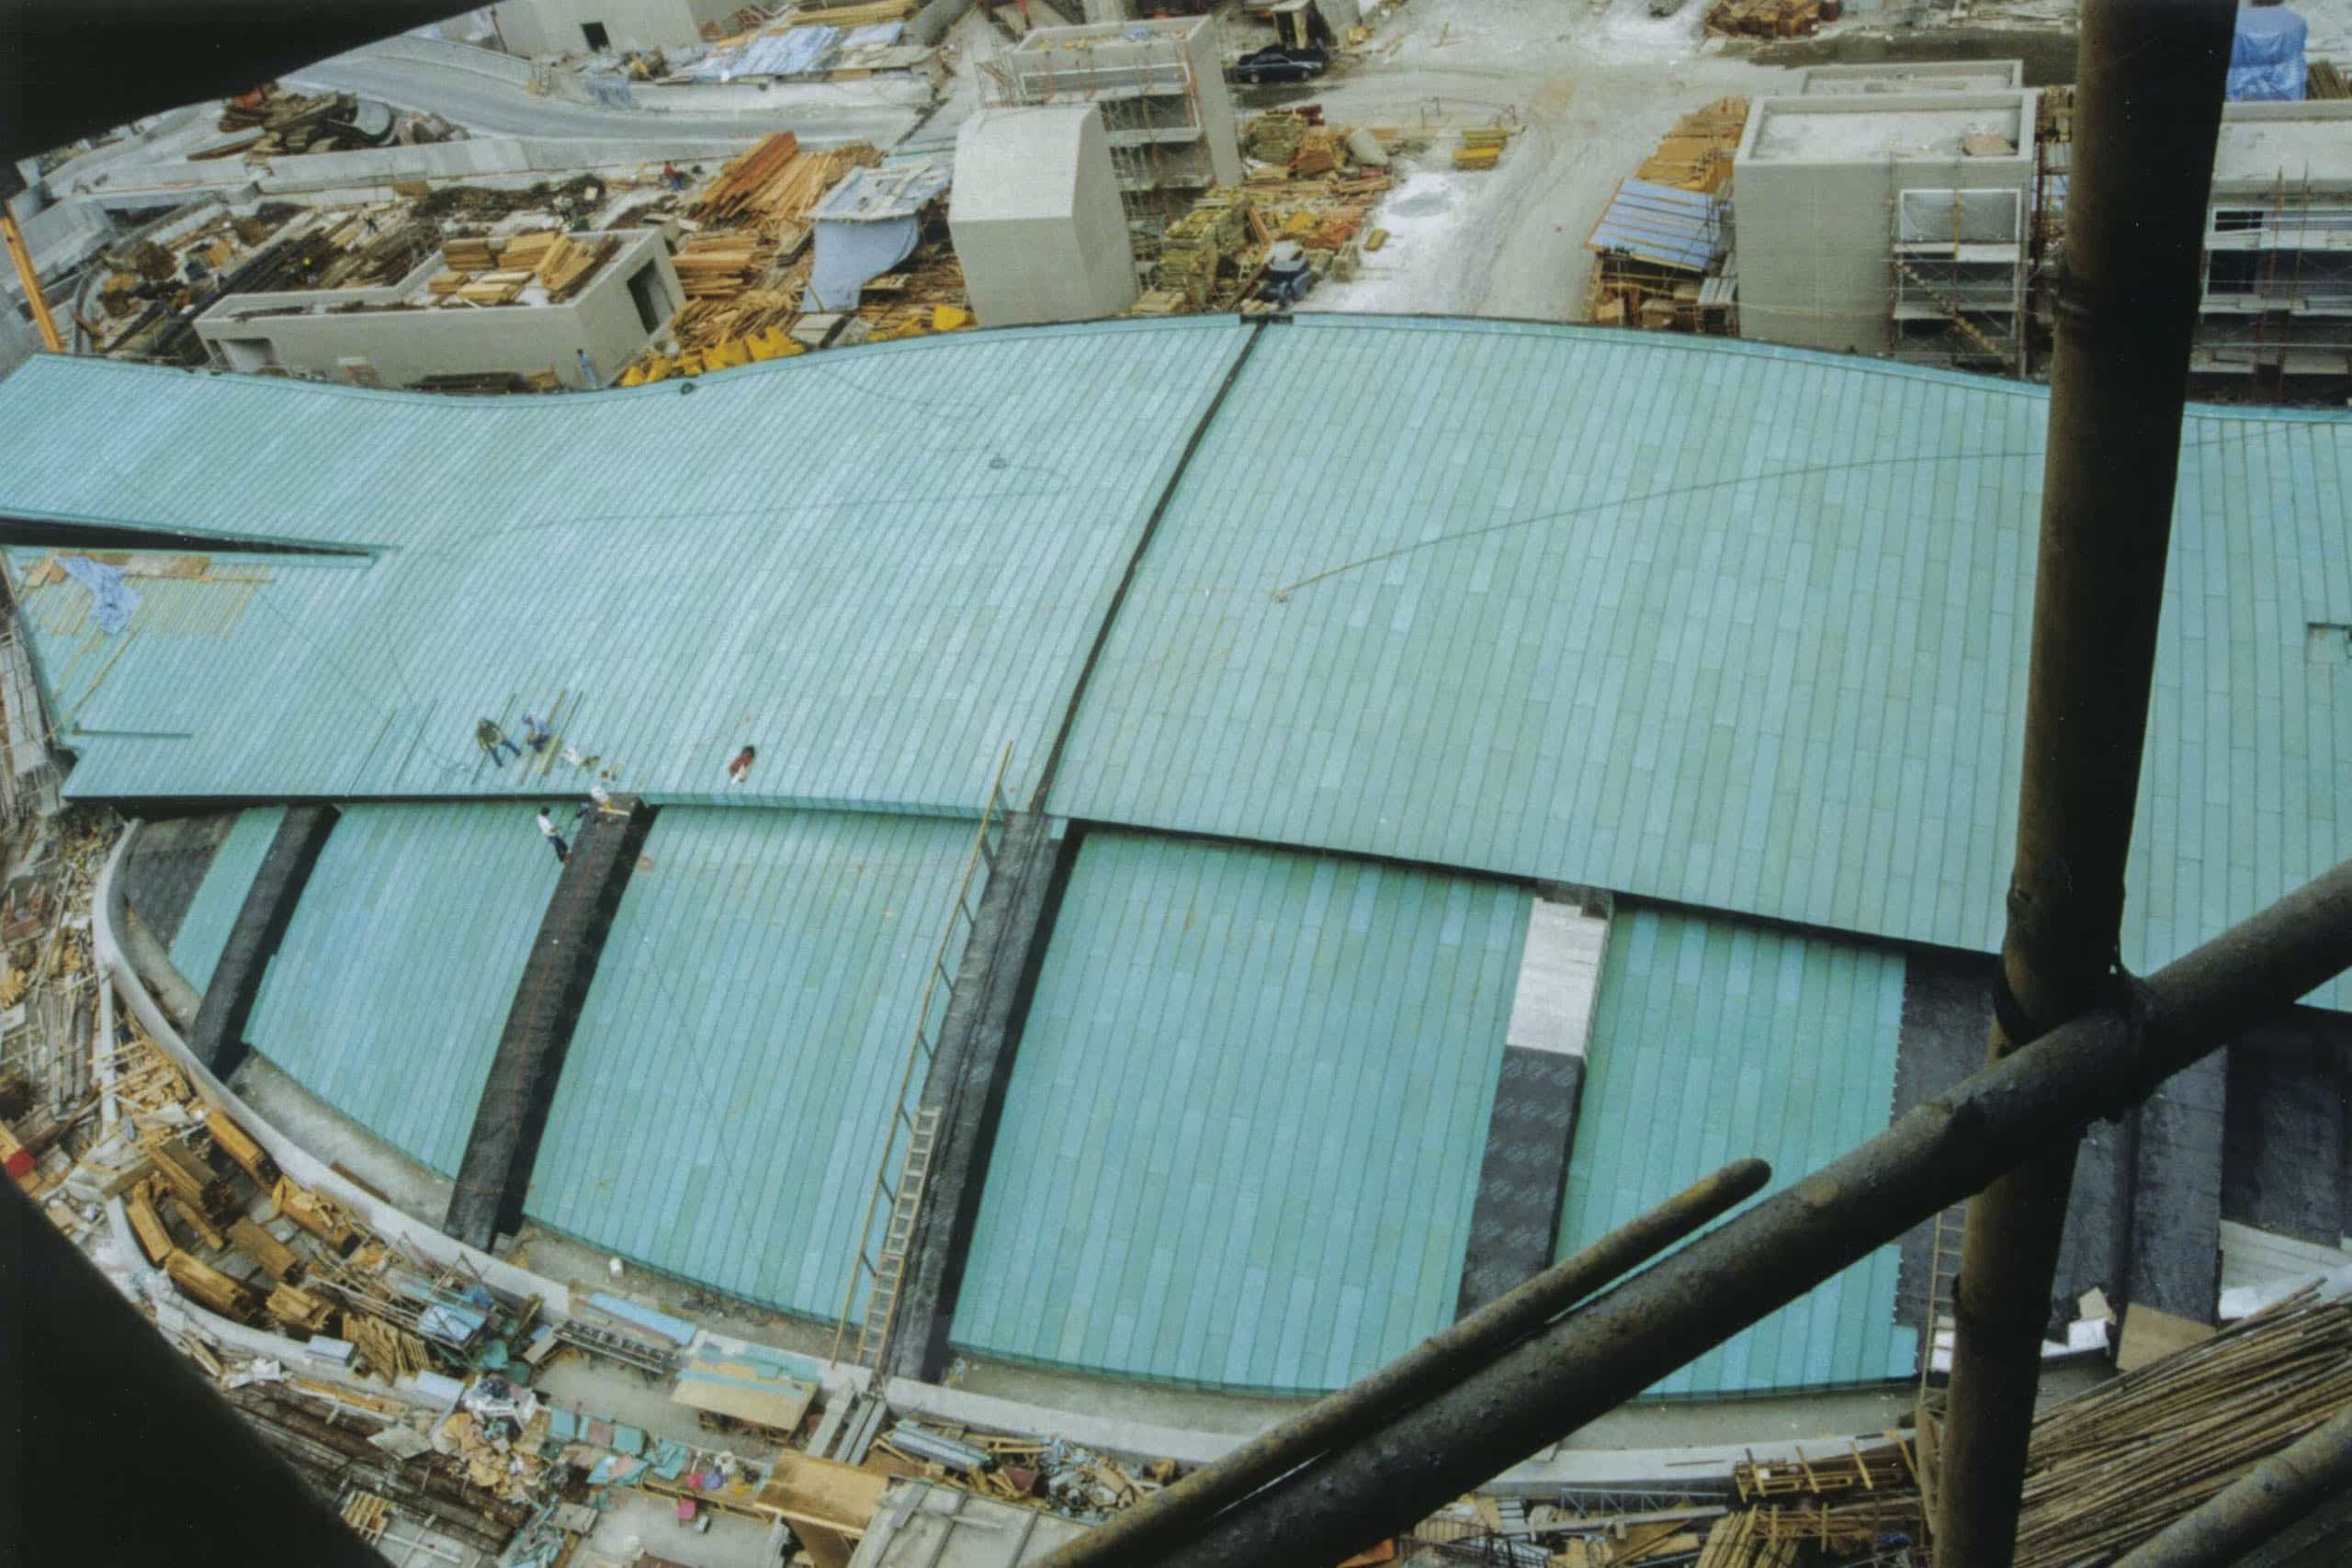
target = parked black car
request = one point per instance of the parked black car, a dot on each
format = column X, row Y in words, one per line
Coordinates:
column 1279, row 63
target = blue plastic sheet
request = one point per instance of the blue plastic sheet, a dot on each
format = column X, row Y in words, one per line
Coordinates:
column 2266, row 55
column 112, row 599
column 669, row 1459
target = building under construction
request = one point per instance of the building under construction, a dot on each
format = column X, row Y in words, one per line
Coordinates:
column 2274, row 322
column 1167, row 112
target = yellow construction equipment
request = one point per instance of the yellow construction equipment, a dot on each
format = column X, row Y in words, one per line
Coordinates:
column 11, row 185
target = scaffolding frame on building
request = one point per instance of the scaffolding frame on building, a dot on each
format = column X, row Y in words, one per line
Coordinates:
column 1956, row 290
column 1142, row 121
column 2297, row 318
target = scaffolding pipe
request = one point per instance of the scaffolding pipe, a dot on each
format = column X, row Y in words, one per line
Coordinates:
column 2147, row 112
column 1378, row 1485
column 1426, row 1370
column 2283, row 1490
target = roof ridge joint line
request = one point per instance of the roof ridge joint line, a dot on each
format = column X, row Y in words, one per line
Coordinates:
column 1135, row 563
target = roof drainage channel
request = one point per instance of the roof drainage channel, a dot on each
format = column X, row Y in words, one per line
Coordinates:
column 218, row 1039
column 980, row 1034
column 511, row 1114
column 74, row 533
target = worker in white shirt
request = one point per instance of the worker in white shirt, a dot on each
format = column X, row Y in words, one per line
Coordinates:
column 546, row 826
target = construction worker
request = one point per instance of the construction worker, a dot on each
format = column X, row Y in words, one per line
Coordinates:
column 489, row 738
column 740, row 768
column 548, row 827
column 535, row 734
column 587, row 371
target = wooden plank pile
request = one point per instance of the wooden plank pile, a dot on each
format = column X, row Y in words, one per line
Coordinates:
column 469, row 254
column 2109, row 1468
column 1764, row 18
column 494, row 287
column 1482, row 146
column 722, row 266
column 1697, row 154
column 568, row 265
column 771, row 188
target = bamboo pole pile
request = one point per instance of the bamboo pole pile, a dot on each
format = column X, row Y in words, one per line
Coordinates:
column 2112, row 1467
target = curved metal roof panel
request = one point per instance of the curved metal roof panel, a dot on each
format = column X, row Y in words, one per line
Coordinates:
column 879, row 567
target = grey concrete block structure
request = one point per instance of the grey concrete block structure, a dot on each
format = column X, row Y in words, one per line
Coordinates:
column 569, row 26
column 1887, row 223
column 1036, row 216
column 1878, row 78
column 1160, row 84
column 399, row 334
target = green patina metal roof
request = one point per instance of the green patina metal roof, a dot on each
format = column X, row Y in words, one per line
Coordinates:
column 1245, row 1125
column 389, row 994
column 1714, row 1041
column 1725, row 624
column 879, row 567
column 724, row 1100
column 1735, row 626
column 204, row 930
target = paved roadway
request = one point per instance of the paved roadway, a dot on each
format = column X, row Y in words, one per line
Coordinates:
column 484, row 104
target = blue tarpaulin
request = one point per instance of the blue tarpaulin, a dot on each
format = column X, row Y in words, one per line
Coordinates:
column 112, row 599
column 2267, row 56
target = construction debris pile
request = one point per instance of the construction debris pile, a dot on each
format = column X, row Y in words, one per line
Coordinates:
column 482, row 271
column 812, row 44
column 1851, row 1507
column 745, row 268
column 48, row 1004
column 1764, row 18
column 2112, row 1467
column 1662, row 247
column 267, row 122
column 1310, row 184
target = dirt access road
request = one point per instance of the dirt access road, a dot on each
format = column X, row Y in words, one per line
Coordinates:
column 1594, row 94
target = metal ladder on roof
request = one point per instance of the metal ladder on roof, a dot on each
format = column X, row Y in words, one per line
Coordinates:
column 1943, row 1275
column 890, row 1265
column 881, row 1264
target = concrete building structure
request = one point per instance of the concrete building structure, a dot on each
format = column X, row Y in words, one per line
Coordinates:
column 1895, row 224
column 1036, row 218
column 399, row 335
column 1910, row 77
column 1160, row 84
column 1344, row 961
column 533, row 28
column 2275, row 313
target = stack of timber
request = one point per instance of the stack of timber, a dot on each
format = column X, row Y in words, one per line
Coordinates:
column 494, row 287
column 1764, row 18
column 770, row 189
column 2109, row 1468
column 721, row 266
column 568, row 265
column 192, row 1181
column 469, row 254
column 1482, row 147
column 1697, row 154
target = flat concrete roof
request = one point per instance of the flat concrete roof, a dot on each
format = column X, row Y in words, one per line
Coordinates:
column 1094, row 34
column 2312, row 137
column 1912, row 76
column 1853, row 129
